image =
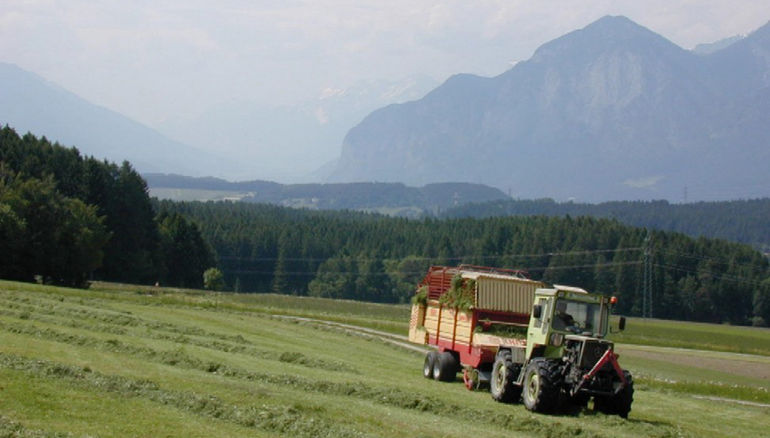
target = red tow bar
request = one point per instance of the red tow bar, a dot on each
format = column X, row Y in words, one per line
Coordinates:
column 608, row 356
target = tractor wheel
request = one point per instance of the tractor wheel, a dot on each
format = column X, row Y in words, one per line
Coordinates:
column 427, row 368
column 539, row 392
column 504, row 374
column 620, row 403
column 445, row 367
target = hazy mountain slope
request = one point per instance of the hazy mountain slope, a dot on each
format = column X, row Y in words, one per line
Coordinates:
column 290, row 142
column 612, row 111
column 29, row 103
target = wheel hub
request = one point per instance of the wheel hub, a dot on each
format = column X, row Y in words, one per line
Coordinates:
column 534, row 384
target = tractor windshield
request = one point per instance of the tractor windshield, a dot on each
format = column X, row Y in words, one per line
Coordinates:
column 579, row 317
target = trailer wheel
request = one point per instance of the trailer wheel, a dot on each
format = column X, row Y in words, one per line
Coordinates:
column 504, row 374
column 445, row 367
column 620, row 403
column 540, row 395
column 427, row 367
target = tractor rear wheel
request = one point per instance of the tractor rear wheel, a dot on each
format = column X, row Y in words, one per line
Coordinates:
column 427, row 367
column 504, row 374
column 539, row 392
column 445, row 367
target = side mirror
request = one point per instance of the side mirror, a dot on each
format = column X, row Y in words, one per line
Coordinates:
column 622, row 323
column 537, row 311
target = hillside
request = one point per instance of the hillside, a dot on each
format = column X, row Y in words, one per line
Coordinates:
column 612, row 111
column 29, row 103
column 390, row 198
column 739, row 221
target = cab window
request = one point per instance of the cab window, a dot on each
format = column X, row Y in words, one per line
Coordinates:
column 543, row 303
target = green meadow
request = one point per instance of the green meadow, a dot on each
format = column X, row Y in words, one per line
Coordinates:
column 119, row 360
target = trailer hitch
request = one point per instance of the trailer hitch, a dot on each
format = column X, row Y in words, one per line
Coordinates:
column 608, row 356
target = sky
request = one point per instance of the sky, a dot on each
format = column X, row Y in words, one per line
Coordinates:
column 160, row 59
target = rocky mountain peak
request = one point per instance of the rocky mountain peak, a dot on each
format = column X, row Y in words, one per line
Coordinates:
column 610, row 111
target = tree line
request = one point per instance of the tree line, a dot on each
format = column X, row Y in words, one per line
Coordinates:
column 67, row 219
column 355, row 255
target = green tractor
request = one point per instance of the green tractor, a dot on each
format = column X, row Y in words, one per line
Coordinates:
column 566, row 360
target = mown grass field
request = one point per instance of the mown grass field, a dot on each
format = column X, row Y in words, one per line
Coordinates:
column 129, row 361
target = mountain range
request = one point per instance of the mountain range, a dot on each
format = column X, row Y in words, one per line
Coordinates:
column 611, row 111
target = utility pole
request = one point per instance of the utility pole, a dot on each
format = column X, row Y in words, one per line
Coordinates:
column 647, row 278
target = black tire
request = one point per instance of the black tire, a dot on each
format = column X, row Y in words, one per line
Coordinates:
column 445, row 367
column 620, row 403
column 504, row 375
column 539, row 392
column 427, row 367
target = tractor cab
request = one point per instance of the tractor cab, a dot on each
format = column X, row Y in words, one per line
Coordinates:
column 564, row 312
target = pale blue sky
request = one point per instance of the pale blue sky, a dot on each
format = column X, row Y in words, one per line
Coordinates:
column 152, row 59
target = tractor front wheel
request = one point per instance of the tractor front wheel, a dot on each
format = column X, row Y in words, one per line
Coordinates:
column 539, row 393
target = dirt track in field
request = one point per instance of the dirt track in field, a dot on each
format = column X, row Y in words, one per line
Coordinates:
column 398, row 340
column 734, row 363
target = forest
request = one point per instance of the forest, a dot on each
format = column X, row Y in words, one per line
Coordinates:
column 742, row 221
column 66, row 219
column 99, row 223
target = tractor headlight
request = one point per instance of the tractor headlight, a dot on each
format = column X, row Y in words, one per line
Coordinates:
column 557, row 339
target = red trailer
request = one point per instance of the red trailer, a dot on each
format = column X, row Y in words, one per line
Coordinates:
column 469, row 313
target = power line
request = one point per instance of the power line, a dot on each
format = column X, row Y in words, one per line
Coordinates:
column 541, row 268
column 594, row 265
column 456, row 258
column 713, row 259
column 716, row 276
